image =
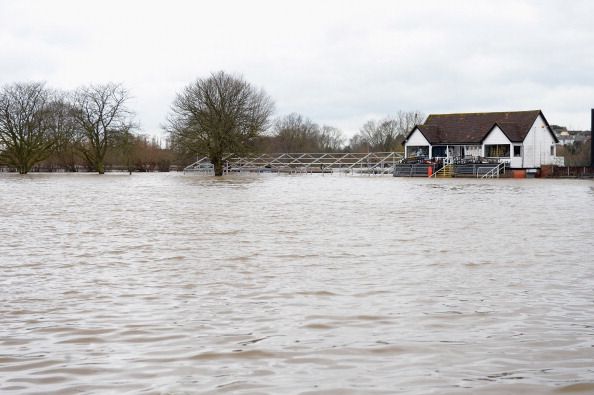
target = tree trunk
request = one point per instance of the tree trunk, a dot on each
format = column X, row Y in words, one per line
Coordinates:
column 217, row 162
column 100, row 167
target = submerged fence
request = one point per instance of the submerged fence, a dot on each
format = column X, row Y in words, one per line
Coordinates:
column 567, row 171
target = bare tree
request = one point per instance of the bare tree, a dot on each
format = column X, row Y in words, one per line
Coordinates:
column 358, row 143
column 218, row 115
column 371, row 135
column 24, row 138
column 294, row 133
column 575, row 154
column 376, row 136
column 331, row 139
column 61, row 123
column 386, row 134
column 101, row 115
column 407, row 120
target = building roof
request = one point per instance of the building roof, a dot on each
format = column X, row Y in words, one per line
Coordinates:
column 472, row 128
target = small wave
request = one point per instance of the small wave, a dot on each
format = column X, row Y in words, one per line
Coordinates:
column 316, row 293
column 578, row 388
column 319, row 326
column 15, row 364
column 237, row 354
column 83, row 340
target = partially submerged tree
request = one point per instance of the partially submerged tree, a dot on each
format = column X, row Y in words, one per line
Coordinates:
column 218, row 115
column 101, row 115
column 61, row 124
column 24, row 137
column 139, row 152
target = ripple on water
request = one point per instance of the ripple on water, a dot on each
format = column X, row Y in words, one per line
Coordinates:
column 169, row 283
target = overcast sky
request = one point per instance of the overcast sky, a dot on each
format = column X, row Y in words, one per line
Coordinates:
column 337, row 62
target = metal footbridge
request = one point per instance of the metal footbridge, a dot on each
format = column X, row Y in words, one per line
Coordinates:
column 304, row 163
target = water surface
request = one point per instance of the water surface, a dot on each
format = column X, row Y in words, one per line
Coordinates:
column 172, row 283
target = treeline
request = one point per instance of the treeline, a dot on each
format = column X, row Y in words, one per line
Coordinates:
column 295, row 133
column 92, row 128
column 576, row 154
column 132, row 153
column 75, row 128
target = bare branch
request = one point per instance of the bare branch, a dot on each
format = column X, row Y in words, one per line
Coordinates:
column 24, row 137
column 217, row 115
column 101, row 116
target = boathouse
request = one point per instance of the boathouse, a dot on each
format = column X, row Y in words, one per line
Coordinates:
column 521, row 139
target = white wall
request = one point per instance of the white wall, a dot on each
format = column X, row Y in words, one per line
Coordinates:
column 537, row 145
column 496, row 136
column 415, row 139
column 517, row 162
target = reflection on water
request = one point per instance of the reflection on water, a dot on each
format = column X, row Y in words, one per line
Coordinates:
column 170, row 283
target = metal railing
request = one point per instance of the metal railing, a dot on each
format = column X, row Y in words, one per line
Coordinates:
column 493, row 172
column 441, row 170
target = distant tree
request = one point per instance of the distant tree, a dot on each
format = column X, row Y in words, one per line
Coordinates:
column 62, row 125
column 407, row 120
column 101, row 115
column 358, row 143
column 142, row 153
column 24, row 137
column 576, row 154
column 386, row 134
column 372, row 134
column 295, row 133
column 218, row 115
column 331, row 139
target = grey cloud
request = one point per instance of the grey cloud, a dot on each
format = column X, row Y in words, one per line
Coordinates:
column 335, row 62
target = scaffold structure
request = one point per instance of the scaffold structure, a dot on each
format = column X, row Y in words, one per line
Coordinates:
column 303, row 163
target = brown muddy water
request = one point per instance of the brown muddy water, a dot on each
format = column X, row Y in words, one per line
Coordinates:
column 183, row 284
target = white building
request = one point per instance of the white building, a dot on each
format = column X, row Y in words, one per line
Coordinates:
column 524, row 139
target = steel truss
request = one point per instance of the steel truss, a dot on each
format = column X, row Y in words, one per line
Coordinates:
column 350, row 163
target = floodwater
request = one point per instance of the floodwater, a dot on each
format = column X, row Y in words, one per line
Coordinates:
column 277, row 284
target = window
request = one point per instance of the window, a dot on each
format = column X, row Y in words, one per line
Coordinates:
column 517, row 151
column 497, row 151
column 552, row 150
column 439, row 151
column 419, row 151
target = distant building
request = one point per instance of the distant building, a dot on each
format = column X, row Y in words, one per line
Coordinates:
column 581, row 137
column 523, row 139
column 563, row 135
